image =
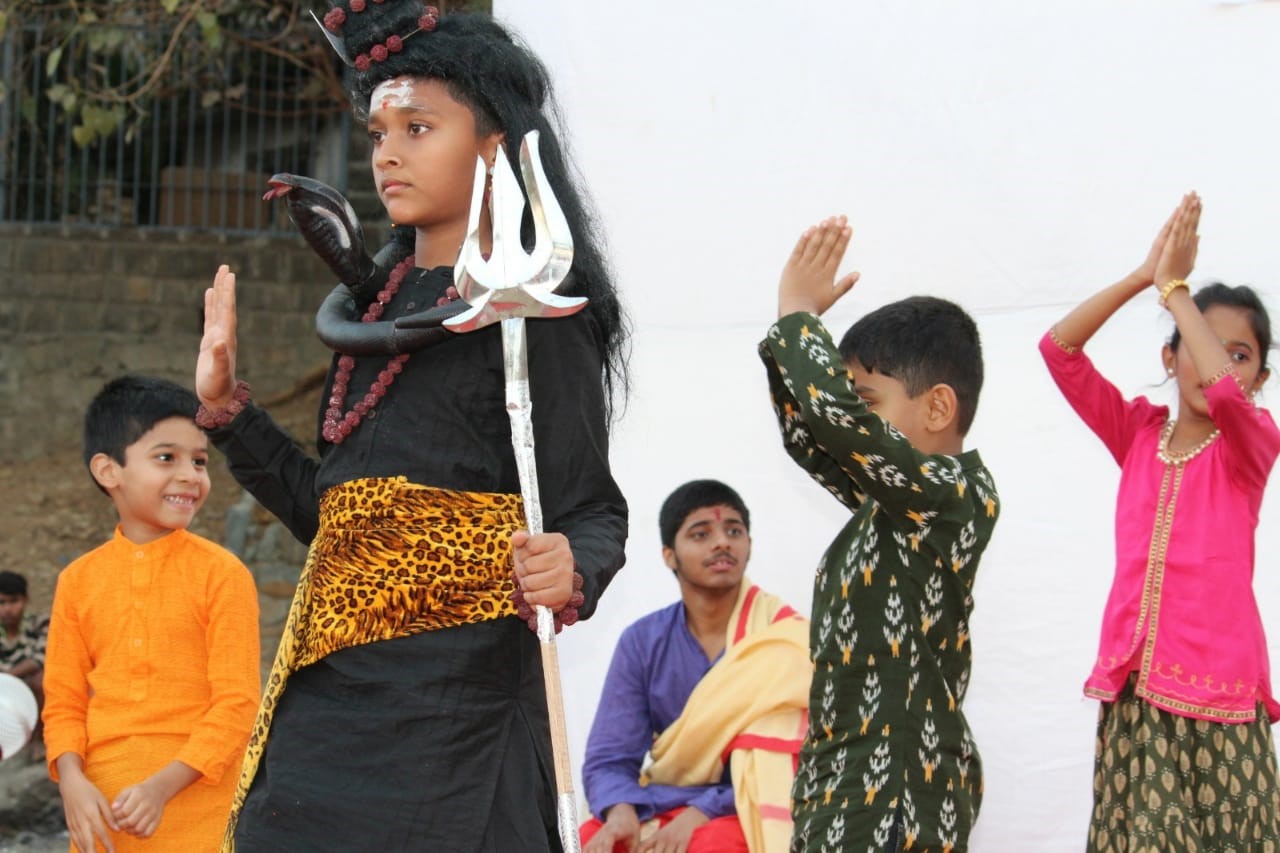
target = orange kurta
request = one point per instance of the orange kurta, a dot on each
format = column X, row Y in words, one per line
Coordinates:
column 153, row 657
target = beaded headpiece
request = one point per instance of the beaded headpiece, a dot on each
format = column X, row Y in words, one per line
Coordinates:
column 336, row 17
column 490, row 71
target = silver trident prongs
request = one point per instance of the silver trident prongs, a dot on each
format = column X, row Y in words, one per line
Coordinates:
column 513, row 282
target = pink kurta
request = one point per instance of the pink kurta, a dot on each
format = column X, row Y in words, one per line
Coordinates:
column 1181, row 612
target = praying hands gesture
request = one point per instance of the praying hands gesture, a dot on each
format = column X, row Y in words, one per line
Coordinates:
column 216, row 364
column 809, row 278
column 1145, row 275
column 1181, row 244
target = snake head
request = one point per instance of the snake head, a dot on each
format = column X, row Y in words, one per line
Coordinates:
column 330, row 226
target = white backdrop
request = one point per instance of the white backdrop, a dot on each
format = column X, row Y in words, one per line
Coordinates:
column 1011, row 156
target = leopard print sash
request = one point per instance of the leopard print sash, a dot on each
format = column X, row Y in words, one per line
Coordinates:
column 391, row 559
column 394, row 559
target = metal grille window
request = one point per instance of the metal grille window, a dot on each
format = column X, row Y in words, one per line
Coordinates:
column 193, row 151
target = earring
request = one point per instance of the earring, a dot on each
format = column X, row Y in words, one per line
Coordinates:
column 1169, row 370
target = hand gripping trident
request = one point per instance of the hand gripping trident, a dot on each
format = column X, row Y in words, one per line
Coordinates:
column 508, row 287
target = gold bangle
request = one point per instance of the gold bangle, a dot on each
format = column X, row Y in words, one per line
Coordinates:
column 1170, row 286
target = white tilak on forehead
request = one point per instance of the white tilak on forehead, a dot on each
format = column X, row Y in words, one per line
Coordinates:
column 396, row 93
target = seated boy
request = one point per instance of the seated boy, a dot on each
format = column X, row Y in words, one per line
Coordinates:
column 713, row 687
column 151, row 678
column 889, row 762
column 22, row 643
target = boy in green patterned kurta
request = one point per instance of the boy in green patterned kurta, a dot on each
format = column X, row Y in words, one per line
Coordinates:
column 889, row 762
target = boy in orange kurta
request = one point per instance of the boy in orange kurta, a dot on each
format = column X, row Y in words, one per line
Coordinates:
column 151, row 672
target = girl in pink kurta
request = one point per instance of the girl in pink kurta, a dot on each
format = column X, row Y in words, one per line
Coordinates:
column 1185, row 758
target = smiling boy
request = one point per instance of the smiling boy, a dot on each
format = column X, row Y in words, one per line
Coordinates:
column 151, row 676
column 889, row 762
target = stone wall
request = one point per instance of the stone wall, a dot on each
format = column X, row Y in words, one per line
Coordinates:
column 78, row 307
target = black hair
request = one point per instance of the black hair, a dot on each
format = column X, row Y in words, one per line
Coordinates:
column 921, row 341
column 12, row 583
column 695, row 495
column 127, row 408
column 1243, row 297
column 508, row 90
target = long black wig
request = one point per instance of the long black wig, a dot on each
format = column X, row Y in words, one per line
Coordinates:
column 508, row 90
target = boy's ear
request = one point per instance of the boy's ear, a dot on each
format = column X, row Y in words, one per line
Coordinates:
column 944, row 407
column 669, row 557
column 105, row 470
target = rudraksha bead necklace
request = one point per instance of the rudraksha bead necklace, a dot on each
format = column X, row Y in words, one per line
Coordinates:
column 338, row 424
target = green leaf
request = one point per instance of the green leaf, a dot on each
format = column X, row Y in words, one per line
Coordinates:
column 170, row 6
column 4, row 19
column 209, row 28
column 82, row 135
column 210, row 98
column 101, row 122
column 52, row 60
column 63, row 96
column 103, row 39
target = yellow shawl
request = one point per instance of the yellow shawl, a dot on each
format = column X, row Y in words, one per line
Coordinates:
column 751, row 709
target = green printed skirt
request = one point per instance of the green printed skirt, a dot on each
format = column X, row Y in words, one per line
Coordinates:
column 1164, row 783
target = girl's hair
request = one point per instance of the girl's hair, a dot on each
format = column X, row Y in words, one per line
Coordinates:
column 508, row 90
column 1241, row 296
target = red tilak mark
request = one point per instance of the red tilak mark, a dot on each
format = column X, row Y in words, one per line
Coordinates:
column 386, row 103
column 716, row 510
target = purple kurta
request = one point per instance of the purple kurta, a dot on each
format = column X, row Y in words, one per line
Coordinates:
column 655, row 667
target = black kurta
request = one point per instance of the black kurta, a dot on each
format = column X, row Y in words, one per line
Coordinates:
column 437, row 741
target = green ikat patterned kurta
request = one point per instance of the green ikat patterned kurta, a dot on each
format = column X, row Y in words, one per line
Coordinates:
column 887, row 736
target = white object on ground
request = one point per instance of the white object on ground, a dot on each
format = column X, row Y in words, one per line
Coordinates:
column 18, row 715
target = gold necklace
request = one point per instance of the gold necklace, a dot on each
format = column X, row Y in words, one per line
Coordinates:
column 1169, row 457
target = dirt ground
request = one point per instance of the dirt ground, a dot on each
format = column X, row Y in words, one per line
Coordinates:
column 52, row 512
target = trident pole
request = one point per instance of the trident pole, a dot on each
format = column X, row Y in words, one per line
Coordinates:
column 507, row 286
column 520, row 410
